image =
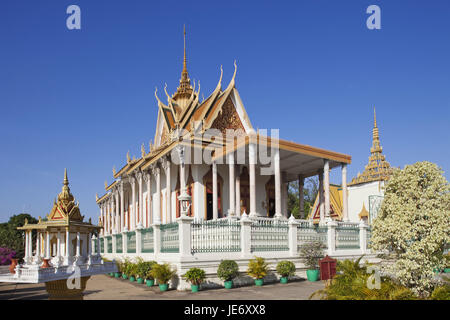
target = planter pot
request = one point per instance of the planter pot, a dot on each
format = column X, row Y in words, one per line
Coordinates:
column 194, row 287
column 124, row 276
column 46, row 264
column 447, row 270
column 150, row 282
column 163, row 286
column 132, row 279
column 312, row 275
column 13, row 265
column 117, row 274
column 284, row 280
column 140, row 280
column 228, row 284
column 259, row 282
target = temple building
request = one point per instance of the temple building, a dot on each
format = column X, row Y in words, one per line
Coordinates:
column 210, row 150
column 365, row 191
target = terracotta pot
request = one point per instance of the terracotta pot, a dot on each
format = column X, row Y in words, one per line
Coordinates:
column 45, row 264
column 13, row 265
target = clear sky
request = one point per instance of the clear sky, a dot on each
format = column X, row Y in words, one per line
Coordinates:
column 82, row 98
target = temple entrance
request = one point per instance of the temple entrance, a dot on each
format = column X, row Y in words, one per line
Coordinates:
column 207, row 182
column 245, row 191
column 270, row 197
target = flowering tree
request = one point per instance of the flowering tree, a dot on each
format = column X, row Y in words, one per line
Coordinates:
column 413, row 224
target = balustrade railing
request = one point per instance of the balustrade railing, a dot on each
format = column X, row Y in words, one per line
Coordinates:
column 307, row 232
column 215, row 236
column 147, row 241
column 169, row 238
column 108, row 244
column 131, row 242
column 347, row 236
column 119, row 243
column 269, row 235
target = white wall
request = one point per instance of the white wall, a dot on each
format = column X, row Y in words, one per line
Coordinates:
column 359, row 194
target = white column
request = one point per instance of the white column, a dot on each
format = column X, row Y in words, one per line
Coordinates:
column 182, row 171
column 238, row 191
column 168, row 191
column 133, row 203
column 344, row 192
column 47, row 245
column 148, row 180
column 321, row 204
column 122, row 207
column 27, row 247
column 301, row 197
column 292, row 236
column 276, row 160
column 102, row 218
column 78, row 244
column 98, row 246
column 157, row 213
column 246, row 227
column 214, row 190
column 231, row 184
column 67, row 248
column 326, row 169
column 89, row 244
column 58, row 245
column 140, row 195
column 284, row 194
column 252, row 177
column 116, row 198
column 38, row 246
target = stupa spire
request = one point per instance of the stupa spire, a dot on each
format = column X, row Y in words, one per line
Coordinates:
column 185, row 89
column 378, row 168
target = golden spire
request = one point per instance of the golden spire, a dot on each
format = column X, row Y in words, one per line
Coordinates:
column 65, row 194
column 66, row 181
column 185, row 89
column 378, row 168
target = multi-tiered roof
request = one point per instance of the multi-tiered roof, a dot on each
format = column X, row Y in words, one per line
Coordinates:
column 378, row 169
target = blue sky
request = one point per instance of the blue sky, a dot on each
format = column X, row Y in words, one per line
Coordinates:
column 82, row 98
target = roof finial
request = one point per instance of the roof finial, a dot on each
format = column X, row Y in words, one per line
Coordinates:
column 374, row 117
column 184, row 60
column 66, row 181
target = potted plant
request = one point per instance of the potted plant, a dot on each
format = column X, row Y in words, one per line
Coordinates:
column 311, row 253
column 132, row 271
column 227, row 271
column 195, row 276
column 285, row 269
column 149, row 279
column 162, row 273
column 257, row 268
column 141, row 270
column 119, row 269
column 125, row 268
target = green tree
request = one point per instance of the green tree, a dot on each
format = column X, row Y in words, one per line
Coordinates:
column 413, row 225
column 12, row 238
column 310, row 190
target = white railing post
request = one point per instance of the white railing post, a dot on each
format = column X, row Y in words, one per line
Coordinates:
column 105, row 245
column 138, row 239
column 246, row 229
column 156, row 239
column 362, row 236
column 331, row 236
column 184, row 235
column 292, row 237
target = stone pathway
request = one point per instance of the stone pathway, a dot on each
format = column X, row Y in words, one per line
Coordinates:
column 103, row 287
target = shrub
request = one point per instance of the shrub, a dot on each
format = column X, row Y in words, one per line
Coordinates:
column 162, row 273
column 143, row 268
column 257, row 268
column 286, row 268
column 195, row 276
column 6, row 255
column 228, row 270
column 148, row 274
column 351, row 283
column 311, row 253
column 441, row 293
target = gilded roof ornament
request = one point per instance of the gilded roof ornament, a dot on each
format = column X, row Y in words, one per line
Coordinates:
column 106, row 184
column 143, row 150
column 114, row 170
column 378, row 169
column 128, row 157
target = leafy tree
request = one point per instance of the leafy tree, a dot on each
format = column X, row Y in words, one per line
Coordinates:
column 12, row 238
column 413, row 225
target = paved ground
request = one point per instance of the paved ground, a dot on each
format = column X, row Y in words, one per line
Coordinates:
column 103, row 287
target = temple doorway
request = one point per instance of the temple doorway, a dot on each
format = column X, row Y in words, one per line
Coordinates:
column 270, row 197
column 207, row 182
